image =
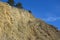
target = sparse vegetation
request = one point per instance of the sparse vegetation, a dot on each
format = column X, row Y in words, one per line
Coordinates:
column 17, row 26
column 11, row 2
column 29, row 11
column 19, row 5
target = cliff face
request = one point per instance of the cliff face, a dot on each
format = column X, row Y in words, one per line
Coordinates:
column 19, row 24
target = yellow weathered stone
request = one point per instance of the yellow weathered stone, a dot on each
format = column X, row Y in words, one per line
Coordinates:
column 19, row 24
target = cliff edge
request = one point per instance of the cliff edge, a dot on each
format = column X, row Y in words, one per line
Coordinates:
column 19, row 24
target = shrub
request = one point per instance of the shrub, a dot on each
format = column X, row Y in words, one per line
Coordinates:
column 19, row 5
column 11, row 2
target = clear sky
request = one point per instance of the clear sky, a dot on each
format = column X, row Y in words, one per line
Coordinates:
column 47, row 10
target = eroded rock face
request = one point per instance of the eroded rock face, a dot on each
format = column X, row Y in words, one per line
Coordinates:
column 19, row 24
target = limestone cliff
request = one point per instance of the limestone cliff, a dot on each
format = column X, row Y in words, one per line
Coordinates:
column 19, row 24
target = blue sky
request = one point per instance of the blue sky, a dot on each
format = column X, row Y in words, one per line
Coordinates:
column 47, row 10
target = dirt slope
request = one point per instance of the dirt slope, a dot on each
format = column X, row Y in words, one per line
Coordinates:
column 19, row 24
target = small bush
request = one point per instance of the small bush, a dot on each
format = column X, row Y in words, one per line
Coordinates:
column 11, row 2
column 29, row 11
column 19, row 5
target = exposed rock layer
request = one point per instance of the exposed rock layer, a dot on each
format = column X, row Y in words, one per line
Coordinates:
column 19, row 24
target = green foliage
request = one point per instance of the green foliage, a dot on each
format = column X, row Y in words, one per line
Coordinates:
column 29, row 11
column 19, row 5
column 11, row 2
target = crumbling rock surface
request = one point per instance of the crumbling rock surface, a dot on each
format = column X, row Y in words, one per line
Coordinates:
column 19, row 24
